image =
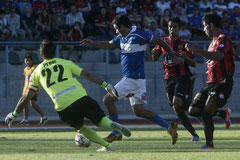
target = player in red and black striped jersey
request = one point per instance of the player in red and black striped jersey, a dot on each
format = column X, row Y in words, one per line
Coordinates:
column 220, row 72
column 177, row 76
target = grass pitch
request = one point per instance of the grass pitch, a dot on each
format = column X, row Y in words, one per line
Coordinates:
column 144, row 144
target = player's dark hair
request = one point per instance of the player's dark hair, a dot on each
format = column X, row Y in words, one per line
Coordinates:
column 122, row 20
column 28, row 56
column 48, row 49
column 213, row 18
column 176, row 20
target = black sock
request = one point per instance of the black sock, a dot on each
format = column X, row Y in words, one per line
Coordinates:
column 208, row 127
column 186, row 123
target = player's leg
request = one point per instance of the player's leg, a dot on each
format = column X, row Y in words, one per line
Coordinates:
column 181, row 101
column 24, row 121
column 225, row 115
column 74, row 115
column 139, row 111
column 33, row 103
column 113, row 115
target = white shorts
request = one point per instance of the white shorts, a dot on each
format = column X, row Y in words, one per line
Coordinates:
column 134, row 89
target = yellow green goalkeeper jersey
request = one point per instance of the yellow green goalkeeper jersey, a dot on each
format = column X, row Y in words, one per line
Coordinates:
column 56, row 77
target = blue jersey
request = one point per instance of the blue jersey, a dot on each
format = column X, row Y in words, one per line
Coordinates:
column 133, row 48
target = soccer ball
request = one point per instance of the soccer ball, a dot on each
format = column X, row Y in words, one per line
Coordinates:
column 82, row 141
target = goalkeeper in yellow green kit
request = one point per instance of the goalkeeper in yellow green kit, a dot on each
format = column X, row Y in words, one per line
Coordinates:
column 70, row 98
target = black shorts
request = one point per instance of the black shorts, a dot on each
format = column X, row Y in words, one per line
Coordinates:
column 85, row 107
column 221, row 91
column 180, row 87
column 34, row 97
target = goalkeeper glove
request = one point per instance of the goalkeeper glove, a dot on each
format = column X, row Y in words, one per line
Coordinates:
column 110, row 89
column 10, row 118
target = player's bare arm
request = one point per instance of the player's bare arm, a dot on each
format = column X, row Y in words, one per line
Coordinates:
column 187, row 59
column 108, row 87
column 24, row 101
column 98, row 44
column 156, row 53
column 91, row 77
column 216, row 56
column 165, row 46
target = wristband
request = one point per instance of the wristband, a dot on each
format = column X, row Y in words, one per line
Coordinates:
column 104, row 84
column 15, row 113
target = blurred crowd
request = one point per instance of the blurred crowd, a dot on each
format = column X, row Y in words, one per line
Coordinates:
column 72, row 20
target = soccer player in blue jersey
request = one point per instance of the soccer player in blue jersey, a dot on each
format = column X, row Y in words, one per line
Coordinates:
column 133, row 44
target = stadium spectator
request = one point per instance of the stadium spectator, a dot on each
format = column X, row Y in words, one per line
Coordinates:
column 57, row 4
column 167, row 14
column 13, row 21
column 232, row 4
column 129, row 5
column 71, row 103
column 121, row 8
column 160, row 6
column 217, row 90
column 195, row 23
column 191, row 5
column 155, row 30
column 58, row 21
column 148, row 19
column 28, row 70
column 226, row 20
column 30, row 23
column 134, row 17
column 103, row 25
column 3, row 25
column 145, row 5
column 204, row 5
column 21, row 6
column 62, row 37
column 74, row 17
column 98, row 5
column 133, row 44
column 184, row 32
column 236, row 17
column 75, row 34
column 177, row 76
column 86, row 9
column 180, row 13
column 39, row 6
column 7, row 5
column 219, row 7
column 44, row 19
column 232, row 32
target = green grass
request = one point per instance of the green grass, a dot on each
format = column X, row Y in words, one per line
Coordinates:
column 145, row 144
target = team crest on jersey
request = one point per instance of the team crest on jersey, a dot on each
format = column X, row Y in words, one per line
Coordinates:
column 221, row 45
column 144, row 97
column 221, row 95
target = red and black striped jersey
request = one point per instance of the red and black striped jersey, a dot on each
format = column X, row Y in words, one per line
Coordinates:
column 171, row 69
column 220, row 71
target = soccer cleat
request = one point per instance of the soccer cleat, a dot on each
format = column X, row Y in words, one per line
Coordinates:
column 200, row 120
column 172, row 130
column 227, row 120
column 195, row 138
column 43, row 120
column 207, row 147
column 113, row 137
column 104, row 149
column 23, row 122
column 120, row 128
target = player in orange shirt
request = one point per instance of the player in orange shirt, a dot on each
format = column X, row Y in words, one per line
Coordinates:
column 28, row 70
